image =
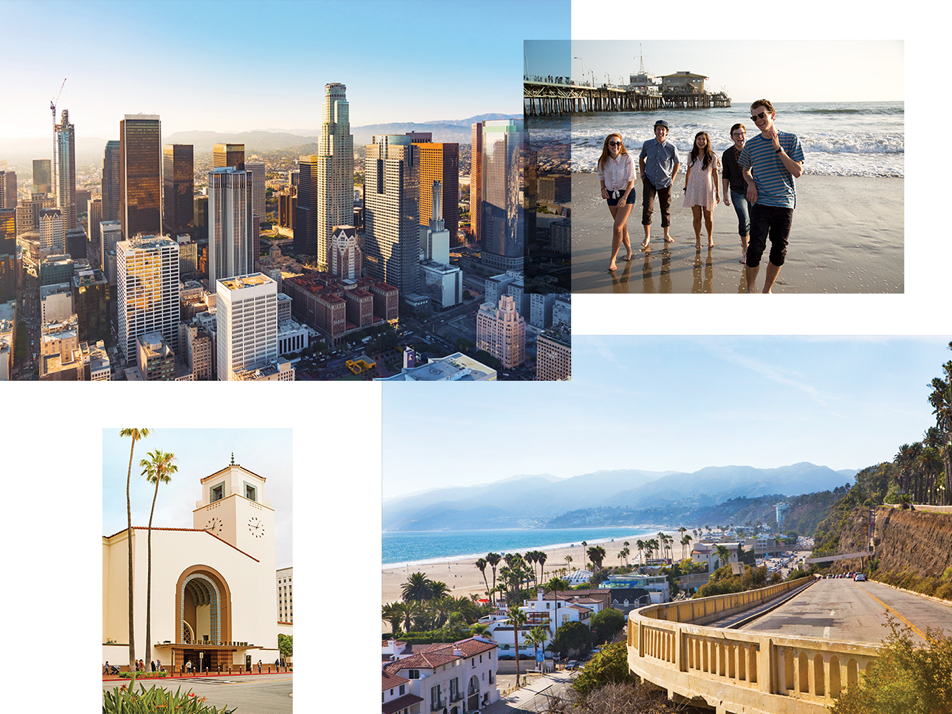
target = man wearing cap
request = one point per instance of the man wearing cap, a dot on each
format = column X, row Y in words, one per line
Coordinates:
column 770, row 162
column 659, row 165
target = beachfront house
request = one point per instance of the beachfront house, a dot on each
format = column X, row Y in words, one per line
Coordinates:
column 707, row 553
column 453, row 677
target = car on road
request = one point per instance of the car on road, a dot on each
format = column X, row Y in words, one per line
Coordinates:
column 571, row 664
column 860, row 578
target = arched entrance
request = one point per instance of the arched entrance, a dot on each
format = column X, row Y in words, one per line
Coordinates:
column 203, row 619
column 472, row 692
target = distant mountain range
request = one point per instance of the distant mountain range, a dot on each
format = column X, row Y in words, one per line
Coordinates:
column 533, row 500
column 90, row 149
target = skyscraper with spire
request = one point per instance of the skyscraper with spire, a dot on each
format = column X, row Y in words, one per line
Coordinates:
column 335, row 169
column 64, row 169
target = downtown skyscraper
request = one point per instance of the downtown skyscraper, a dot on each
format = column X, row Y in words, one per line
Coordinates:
column 178, row 198
column 440, row 162
column 392, row 212
column 334, row 205
column 140, row 175
column 230, row 239
column 110, row 182
column 501, row 216
column 64, row 169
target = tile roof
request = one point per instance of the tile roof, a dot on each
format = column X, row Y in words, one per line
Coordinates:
column 391, row 680
column 400, row 703
column 436, row 655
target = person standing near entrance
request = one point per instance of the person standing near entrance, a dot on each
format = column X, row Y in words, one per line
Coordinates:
column 659, row 166
column 735, row 187
column 770, row 161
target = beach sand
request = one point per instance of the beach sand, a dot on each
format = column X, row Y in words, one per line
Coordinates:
column 847, row 237
column 462, row 577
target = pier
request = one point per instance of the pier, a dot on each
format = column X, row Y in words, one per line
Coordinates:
column 547, row 98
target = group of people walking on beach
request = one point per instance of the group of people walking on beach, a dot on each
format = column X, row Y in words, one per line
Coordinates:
column 757, row 175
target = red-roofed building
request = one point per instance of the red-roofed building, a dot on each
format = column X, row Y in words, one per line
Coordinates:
column 450, row 678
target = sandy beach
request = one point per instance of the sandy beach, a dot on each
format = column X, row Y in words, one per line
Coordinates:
column 462, row 577
column 847, row 237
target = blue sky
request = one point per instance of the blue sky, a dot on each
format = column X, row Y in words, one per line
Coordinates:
column 238, row 66
column 670, row 403
column 199, row 453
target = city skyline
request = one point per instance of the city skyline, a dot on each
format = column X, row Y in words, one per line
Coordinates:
column 839, row 402
column 176, row 88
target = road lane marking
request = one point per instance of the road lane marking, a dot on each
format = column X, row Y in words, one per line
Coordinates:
column 899, row 615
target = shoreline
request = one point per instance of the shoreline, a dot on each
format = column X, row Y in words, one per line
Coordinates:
column 463, row 578
column 847, row 237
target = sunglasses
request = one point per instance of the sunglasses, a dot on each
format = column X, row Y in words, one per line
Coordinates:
column 614, row 143
column 758, row 116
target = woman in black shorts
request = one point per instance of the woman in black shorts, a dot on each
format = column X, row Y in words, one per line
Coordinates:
column 616, row 174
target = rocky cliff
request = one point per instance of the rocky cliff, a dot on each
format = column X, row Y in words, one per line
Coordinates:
column 913, row 548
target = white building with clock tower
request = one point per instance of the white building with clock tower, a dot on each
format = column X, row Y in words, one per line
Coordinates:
column 213, row 593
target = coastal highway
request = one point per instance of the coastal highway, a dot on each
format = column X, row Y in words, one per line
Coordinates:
column 847, row 611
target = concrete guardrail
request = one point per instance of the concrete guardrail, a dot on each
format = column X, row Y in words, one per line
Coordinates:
column 735, row 671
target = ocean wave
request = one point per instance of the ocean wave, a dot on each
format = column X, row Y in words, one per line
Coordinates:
column 867, row 110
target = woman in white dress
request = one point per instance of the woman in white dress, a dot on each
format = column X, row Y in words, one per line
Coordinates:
column 616, row 174
column 701, row 189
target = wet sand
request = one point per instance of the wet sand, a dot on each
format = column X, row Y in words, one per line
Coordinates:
column 462, row 577
column 847, row 237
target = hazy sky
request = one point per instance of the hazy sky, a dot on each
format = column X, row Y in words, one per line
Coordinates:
column 670, row 403
column 795, row 70
column 199, row 453
column 243, row 65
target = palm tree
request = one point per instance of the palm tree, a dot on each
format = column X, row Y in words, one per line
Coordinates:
column 535, row 637
column 568, row 560
column 481, row 565
column 395, row 613
column 135, row 435
column 941, row 401
column 597, row 555
column 723, row 556
column 518, row 618
column 158, row 468
column 493, row 560
column 584, row 546
column 541, row 557
column 640, row 545
column 417, row 588
column 553, row 586
column 478, row 628
column 685, row 541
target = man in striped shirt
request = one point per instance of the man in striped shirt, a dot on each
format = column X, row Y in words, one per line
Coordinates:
column 770, row 161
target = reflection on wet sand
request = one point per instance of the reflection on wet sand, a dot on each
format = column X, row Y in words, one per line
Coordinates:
column 847, row 237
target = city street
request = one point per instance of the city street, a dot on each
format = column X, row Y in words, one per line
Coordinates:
column 258, row 693
column 532, row 697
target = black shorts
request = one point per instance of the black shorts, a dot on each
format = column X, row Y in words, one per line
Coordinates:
column 772, row 222
column 629, row 199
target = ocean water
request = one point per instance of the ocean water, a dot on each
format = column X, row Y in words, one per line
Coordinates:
column 838, row 138
column 425, row 547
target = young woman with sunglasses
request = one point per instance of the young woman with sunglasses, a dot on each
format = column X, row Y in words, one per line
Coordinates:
column 616, row 174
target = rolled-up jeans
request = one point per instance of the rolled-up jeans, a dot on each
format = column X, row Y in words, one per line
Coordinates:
column 742, row 209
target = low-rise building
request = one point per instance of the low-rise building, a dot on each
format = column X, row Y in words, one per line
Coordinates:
column 456, row 367
column 454, row 677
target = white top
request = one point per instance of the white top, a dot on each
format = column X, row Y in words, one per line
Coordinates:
column 616, row 173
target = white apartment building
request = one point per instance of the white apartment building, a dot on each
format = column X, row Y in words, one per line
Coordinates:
column 247, row 317
column 147, row 270
column 455, row 677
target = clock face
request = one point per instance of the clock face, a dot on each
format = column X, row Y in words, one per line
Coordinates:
column 214, row 525
column 256, row 527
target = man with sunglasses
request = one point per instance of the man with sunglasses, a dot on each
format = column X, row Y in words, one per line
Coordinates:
column 770, row 162
column 659, row 165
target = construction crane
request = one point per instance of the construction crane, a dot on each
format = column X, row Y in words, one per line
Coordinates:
column 55, row 101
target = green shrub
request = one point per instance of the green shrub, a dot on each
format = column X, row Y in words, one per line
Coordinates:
column 125, row 700
column 905, row 679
